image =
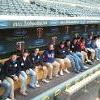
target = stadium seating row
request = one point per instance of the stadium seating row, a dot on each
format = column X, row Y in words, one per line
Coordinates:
column 48, row 8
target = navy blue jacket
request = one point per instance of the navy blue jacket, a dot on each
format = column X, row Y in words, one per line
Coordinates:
column 89, row 43
column 36, row 59
column 24, row 65
column 11, row 68
column 75, row 48
column 60, row 53
column 49, row 56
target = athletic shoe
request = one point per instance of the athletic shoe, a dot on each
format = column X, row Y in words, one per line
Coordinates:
column 61, row 73
column 85, row 68
column 8, row 99
column 37, row 85
column 97, row 59
column 23, row 93
column 90, row 62
column 57, row 75
column 82, row 70
column 77, row 72
column 46, row 81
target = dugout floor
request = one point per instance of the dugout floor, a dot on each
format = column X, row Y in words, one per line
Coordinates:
column 80, row 95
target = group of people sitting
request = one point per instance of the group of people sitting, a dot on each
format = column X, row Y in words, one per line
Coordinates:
column 54, row 61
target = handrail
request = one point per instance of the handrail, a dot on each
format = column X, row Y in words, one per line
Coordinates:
column 78, row 85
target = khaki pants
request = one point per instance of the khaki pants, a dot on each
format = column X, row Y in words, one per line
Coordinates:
column 10, row 80
column 45, row 71
column 85, row 56
column 67, row 63
column 53, row 68
column 62, row 63
column 93, row 54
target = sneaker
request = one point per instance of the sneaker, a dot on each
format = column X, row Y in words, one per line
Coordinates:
column 37, row 85
column 57, row 75
column 76, row 71
column 82, row 70
column 85, row 67
column 23, row 93
column 61, row 73
column 90, row 62
column 67, row 71
column 97, row 59
column 8, row 99
column 46, row 81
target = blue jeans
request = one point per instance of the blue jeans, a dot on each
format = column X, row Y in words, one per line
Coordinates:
column 78, row 61
column 23, row 81
column 74, row 62
column 97, row 53
column 79, row 55
column 7, row 87
column 77, row 65
column 33, row 80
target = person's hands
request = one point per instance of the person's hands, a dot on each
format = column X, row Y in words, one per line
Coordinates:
column 15, row 78
column 27, row 71
column 20, row 76
column 70, row 51
column 39, row 67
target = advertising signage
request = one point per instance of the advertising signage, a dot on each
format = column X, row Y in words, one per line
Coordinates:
column 42, row 23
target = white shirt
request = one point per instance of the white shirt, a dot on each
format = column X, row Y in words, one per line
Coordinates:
column 24, row 58
column 98, row 43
